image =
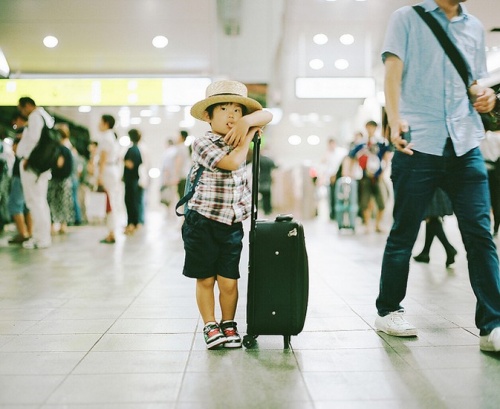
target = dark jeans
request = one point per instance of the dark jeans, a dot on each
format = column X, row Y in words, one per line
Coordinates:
column 464, row 178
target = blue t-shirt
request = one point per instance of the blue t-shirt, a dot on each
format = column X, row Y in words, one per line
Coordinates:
column 433, row 96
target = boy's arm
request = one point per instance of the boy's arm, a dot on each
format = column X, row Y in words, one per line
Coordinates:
column 240, row 130
column 234, row 159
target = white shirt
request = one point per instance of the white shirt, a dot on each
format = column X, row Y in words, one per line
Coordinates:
column 33, row 131
column 109, row 144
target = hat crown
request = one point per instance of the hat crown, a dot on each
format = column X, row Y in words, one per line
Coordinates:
column 226, row 87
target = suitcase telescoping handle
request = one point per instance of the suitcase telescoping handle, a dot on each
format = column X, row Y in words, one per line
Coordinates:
column 255, row 180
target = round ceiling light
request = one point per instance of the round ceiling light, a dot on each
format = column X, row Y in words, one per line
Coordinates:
column 320, row 39
column 347, row 39
column 341, row 64
column 316, row 64
column 50, row 41
column 160, row 41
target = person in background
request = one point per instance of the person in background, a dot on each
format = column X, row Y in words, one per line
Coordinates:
column 436, row 131
column 168, row 191
column 439, row 207
column 182, row 162
column 17, row 206
column 60, row 192
column 372, row 156
column 490, row 148
column 266, row 167
column 144, row 180
column 108, row 174
column 133, row 197
column 75, row 176
column 35, row 186
column 332, row 162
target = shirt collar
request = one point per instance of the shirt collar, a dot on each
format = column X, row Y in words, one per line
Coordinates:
column 431, row 5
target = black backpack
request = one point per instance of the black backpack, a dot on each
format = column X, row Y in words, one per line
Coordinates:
column 44, row 155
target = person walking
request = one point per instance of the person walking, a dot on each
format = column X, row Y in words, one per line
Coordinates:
column 439, row 207
column 436, row 131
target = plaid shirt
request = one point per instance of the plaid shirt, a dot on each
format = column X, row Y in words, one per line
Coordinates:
column 221, row 195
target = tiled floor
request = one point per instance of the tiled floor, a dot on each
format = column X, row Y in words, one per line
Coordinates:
column 87, row 325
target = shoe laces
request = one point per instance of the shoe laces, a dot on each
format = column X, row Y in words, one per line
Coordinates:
column 211, row 330
column 397, row 317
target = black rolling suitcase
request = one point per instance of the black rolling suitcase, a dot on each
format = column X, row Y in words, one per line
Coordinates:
column 278, row 274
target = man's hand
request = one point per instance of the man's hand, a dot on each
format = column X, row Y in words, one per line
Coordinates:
column 484, row 98
column 397, row 132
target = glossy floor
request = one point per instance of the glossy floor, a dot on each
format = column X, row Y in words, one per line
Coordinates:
column 90, row 325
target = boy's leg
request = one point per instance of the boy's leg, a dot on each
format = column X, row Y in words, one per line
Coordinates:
column 228, row 297
column 214, row 337
column 205, row 298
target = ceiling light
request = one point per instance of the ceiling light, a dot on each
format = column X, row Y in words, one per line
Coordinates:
column 316, row 64
column 320, row 39
column 135, row 121
column 155, row 120
column 146, row 112
column 4, row 66
column 84, row 108
column 160, row 41
column 341, row 64
column 347, row 39
column 313, row 140
column 50, row 41
column 294, row 140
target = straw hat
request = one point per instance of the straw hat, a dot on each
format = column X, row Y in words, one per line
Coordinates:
column 225, row 91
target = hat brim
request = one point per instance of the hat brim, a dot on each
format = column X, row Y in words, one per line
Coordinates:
column 200, row 107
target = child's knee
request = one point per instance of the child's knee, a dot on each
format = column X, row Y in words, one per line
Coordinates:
column 227, row 285
column 206, row 283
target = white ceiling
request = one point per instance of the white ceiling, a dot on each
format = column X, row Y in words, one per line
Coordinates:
column 274, row 46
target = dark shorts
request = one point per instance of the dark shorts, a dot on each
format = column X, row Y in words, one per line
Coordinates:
column 212, row 248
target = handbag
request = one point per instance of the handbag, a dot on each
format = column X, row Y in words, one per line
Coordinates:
column 491, row 120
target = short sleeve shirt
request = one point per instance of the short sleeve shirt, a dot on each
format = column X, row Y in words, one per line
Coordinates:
column 434, row 100
column 220, row 195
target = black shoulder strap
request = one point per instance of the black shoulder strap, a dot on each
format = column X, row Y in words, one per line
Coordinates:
column 189, row 194
column 449, row 48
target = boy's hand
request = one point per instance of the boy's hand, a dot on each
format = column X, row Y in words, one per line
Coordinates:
column 238, row 133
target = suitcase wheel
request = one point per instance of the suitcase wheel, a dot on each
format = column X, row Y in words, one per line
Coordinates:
column 249, row 341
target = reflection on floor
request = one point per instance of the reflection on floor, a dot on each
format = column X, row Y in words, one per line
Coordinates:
column 89, row 325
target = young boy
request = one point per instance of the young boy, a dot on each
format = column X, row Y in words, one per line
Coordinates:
column 212, row 230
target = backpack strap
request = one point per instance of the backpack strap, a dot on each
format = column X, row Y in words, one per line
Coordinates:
column 187, row 196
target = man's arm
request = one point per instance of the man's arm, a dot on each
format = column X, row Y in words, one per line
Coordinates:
column 392, row 86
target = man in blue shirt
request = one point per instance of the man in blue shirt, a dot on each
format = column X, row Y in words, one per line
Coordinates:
column 436, row 131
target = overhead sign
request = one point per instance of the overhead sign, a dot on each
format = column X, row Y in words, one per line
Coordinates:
column 104, row 91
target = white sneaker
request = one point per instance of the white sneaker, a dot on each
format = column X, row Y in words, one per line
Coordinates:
column 490, row 342
column 394, row 324
column 31, row 245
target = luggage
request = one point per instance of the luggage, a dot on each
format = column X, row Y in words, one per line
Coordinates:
column 346, row 203
column 278, row 276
